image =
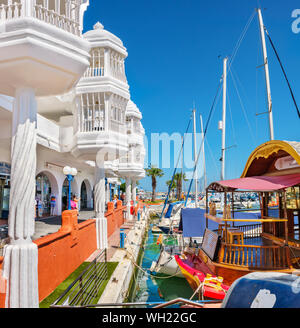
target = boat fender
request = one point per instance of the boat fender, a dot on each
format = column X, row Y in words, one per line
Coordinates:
column 264, row 300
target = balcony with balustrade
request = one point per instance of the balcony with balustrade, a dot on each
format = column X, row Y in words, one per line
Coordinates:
column 132, row 164
column 42, row 39
column 134, row 127
column 100, row 125
column 64, row 14
column 107, row 61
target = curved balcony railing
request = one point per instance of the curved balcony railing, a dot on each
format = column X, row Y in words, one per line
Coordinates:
column 94, row 72
column 17, row 10
column 60, row 21
column 11, row 11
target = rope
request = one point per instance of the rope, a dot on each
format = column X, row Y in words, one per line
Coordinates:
column 243, row 107
column 284, row 73
column 145, row 272
column 241, row 38
column 175, row 170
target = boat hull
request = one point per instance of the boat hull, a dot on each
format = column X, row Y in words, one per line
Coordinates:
column 231, row 273
column 167, row 265
column 195, row 277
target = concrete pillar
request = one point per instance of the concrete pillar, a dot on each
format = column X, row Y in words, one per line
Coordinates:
column 99, row 196
column 128, row 197
column 21, row 254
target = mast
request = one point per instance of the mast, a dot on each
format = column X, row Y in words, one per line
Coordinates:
column 204, row 164
column 224, row 118
column 195, row 159
column 182, row 187
column 267, row 74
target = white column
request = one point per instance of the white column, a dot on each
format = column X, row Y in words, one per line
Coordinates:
column 134, row 191
column 28, row 7
column 128, row 197
column 21, row 254
column 107, row 70
column 99, row 196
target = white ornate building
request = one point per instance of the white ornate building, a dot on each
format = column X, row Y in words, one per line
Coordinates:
column 64, row 101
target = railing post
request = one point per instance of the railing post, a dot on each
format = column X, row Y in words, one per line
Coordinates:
column 28, row 8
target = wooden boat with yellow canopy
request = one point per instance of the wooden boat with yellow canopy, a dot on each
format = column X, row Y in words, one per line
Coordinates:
column 268, row 243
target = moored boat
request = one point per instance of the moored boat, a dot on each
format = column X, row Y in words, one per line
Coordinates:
column 270, row 241
column 200, row 277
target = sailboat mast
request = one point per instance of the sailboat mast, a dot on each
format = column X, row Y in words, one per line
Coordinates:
column 266, row 65
column 204, row 164
column 224, row 117
column 182, row 186
column 195, row 159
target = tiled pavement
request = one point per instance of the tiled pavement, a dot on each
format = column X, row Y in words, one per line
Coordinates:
column 114, row 241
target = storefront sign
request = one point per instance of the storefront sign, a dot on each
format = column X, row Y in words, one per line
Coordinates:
column 286, row 163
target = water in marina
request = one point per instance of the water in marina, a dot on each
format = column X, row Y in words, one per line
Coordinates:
column 151, row 289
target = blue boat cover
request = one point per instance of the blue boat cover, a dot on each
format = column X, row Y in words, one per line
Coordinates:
column 170, row 209
column 193, row 222
column 264, row 290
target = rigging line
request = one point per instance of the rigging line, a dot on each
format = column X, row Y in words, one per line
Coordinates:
column 240, row 40
column 231, row 121
column 220, row 87
column 204, row 137
column 171, row 184
column 212, row 156
column 283, row 70
column 243, row 108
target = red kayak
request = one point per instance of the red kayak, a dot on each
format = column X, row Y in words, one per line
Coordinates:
column 197, row 273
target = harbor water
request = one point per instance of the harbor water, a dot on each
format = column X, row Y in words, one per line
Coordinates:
column 156, row 288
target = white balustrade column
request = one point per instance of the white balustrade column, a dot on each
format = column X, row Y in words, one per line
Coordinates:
column 134, row 191
column 21, row 254
column 128, row 197
column 107, row 69
column 99, row 196
column 28, row 7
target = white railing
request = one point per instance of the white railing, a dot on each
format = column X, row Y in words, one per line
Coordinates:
column 11, row 11
column 90, row 125
column 117, row 127
column 118, row 75
column 16, row 10
column 60, row 21
column 94, row 72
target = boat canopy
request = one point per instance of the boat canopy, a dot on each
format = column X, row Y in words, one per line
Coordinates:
column 170, row 209
column 193, row 221
column 258, row 183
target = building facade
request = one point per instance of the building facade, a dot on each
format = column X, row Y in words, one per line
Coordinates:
column 64, row 101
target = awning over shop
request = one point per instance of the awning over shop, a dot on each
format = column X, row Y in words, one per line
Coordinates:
column 260, row 183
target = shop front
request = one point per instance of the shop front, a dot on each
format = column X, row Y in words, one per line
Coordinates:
column 4, row 190
column 43, row 196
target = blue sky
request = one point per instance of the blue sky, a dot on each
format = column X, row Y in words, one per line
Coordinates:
column 174, row 60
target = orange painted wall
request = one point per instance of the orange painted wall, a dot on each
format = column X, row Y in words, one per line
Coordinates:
column 114, row 217
column 2, row 293
column 62, row 252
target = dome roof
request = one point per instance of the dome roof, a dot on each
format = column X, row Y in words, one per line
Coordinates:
column 100, row 34
column 132, row 110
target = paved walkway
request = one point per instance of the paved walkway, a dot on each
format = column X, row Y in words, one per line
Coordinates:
column 47, row 226
column 114, row 241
